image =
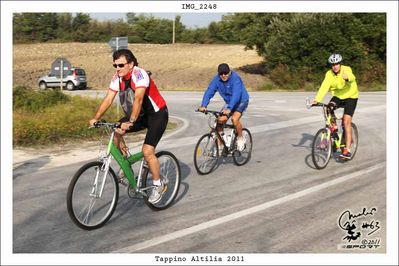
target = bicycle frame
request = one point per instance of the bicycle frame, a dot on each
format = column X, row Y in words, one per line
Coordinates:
column 217, row 126
column 124, row 163
column 329, row 118
column 218, row 135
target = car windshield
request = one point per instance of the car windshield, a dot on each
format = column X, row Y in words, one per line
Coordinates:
column 80, row 72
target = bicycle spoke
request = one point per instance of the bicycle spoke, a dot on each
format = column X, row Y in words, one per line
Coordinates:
column 89, row 212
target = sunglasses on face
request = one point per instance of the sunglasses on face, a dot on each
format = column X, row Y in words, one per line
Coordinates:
column 223, row 74
column 119, row 65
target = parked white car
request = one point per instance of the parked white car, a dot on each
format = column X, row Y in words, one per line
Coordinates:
column 76, row 78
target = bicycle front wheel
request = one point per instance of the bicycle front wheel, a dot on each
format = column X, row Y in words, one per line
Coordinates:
column 88, row 206
column 206, row 154
column 170, row 177
column 321, row 149
column 242, row 157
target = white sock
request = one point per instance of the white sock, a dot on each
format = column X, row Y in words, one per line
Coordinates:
column 156, row 182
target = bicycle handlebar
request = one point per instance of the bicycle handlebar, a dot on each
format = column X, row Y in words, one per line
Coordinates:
column 215, row 113
column 328, row 106
column 106, row 124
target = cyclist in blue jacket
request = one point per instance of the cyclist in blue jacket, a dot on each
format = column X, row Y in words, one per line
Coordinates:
column 231, row 88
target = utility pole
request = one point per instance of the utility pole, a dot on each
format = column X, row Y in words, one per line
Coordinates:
column 174, row 30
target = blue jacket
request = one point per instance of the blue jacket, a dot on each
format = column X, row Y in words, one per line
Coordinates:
column 232, row 91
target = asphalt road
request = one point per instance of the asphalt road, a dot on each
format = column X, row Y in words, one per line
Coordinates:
column 277, row 203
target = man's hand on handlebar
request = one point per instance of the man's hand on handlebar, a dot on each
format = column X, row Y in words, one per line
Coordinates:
column 92, row 122
column 226, row 112
column 126, row 125
column 202, row 109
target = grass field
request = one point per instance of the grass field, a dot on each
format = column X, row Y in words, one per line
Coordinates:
column 174, row 66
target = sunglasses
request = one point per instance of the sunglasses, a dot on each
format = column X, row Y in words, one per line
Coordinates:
column 224, row 74
column 120, row 65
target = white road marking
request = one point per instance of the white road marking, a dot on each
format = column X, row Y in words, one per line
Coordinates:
column 228, row 218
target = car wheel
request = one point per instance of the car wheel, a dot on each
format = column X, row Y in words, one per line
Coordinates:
column 70, row 86
column 42, row 85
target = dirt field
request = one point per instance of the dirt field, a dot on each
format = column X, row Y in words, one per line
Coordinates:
column 174, row 66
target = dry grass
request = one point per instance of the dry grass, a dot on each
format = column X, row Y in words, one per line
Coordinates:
column 174, row 66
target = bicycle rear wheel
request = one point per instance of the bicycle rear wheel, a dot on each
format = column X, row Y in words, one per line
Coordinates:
column 86, row 207
column 321, row 149
column 170, row 177
column 242, row 157
column 206, row 154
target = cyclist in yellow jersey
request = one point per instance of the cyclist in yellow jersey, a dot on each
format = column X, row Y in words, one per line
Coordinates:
column 342, row 83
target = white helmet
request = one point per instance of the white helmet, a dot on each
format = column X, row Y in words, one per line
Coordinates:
column 335, row 59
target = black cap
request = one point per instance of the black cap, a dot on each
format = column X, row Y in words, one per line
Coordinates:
column 223, row 69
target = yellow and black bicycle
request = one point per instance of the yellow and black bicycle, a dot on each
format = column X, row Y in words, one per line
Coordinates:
column 330, row 139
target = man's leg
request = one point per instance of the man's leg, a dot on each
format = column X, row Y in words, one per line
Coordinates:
column 120, row 142
column 236, row 122
column 350, row 106
column 156, row 128
column 348, row 130
column 154, row 166
column 152, row 160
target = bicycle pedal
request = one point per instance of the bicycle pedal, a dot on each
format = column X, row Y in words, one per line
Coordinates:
column 123, row 181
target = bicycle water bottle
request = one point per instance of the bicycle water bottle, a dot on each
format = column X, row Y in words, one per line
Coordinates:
column 229, row 138
column 307, row 103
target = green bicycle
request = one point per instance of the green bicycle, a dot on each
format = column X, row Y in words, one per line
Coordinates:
column 94, row 189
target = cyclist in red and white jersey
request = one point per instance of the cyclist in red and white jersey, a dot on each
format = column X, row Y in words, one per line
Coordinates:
column 144, row 107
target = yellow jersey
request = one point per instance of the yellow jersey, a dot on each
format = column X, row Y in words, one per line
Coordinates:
column 339, row 87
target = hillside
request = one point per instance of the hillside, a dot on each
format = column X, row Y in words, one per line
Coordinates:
column 174, row 66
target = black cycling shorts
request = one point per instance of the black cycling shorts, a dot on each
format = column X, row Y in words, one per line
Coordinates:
column 349, row 104
column 154, row 122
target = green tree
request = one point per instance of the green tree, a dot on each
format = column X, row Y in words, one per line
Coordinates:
column 31, row 27
column 131, row 18
column 179, row 28
column 80, row 27
column 64, row 31
column 296, row 46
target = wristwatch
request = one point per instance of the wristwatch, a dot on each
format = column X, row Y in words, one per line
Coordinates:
column 132, row 121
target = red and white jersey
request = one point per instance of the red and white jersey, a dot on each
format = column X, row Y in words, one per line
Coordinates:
column 137, row 78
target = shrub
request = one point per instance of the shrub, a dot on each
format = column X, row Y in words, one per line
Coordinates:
column 60, row 121
column 53, row 117
column 36, row 101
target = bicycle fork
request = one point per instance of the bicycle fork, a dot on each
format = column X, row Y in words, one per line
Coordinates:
column 104, row 168
column 325, row 137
